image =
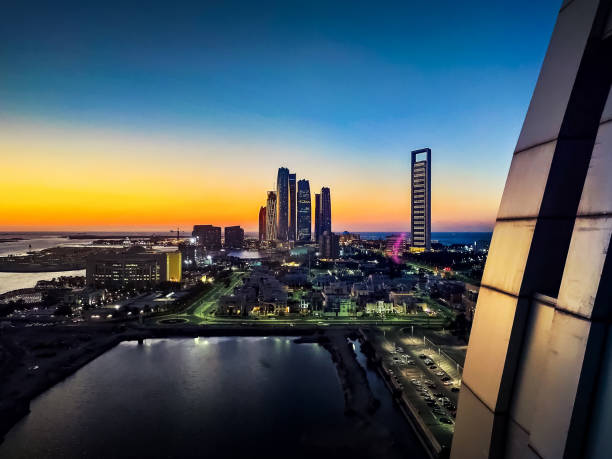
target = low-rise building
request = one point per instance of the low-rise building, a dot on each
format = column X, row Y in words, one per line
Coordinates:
column 208, row 236
column 135, row 268
column 234, row 237
column 85, row 297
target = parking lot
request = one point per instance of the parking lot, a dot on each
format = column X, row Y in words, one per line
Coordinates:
column 428, row 380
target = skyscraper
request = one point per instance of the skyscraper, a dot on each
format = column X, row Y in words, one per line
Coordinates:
column 282, row 202
column 326, row 222
column 262, row 223
column 304, row 211
column 420, row 209
column 271, row 216
column 317, row 216
column 292, row 208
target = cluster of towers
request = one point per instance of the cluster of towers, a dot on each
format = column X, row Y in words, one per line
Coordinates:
column 287, row 215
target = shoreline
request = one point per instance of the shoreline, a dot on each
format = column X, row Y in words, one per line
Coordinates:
column 62, row 352
column 39, row 269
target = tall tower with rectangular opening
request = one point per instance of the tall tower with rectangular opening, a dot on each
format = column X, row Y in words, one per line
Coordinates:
column 420, row 208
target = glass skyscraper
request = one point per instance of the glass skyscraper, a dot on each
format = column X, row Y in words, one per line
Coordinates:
column 304, row 211
column 326, row 223
column 282, row 194
column 262, row 224
column 420, row 209
column 317, row 217
column 292, row 208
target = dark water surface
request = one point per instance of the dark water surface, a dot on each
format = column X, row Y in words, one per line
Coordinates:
column 203, row 397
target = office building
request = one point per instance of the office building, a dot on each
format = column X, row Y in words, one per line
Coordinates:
column 326, row 217
column 135, row 268
column 262, row 224
column 329, row 245
column 537, row 376
column 234, row 237
column 304, row 212
column 317, row 217
column 420, row 209
column 282, row 204
column 208, row 236
column 292, row 208
column 271, row 216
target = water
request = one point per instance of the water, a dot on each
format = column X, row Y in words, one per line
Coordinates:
column 23, row 246
column 388, row 410
column 14, row 281
column 245, row 254
column 445, row 238
column 213, row 398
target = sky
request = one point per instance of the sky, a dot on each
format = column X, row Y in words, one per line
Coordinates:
column 154, row 115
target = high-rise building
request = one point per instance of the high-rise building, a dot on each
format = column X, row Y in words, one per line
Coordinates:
column 292, row 208
column 317, row 217
column 329, row 245
column 234, row 237
column 537, row 376
column 208, row 236
column 420, row 209
column 262, row 223
column 304, row 211
column 326, row 217
column 282, row 203
column 271, row 216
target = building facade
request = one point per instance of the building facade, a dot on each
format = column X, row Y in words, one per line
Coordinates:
column 234, row 237
column 538, row 371
column 282, row 204
column 420, row 209
column 317, row 217
column 137, row 269
column 326, row 216
column 208, row 236
column 262, row 224
column 329, row 245
column 271, row 216
column 304, row 212
column 292, row 208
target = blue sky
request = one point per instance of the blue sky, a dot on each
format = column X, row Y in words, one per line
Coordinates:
column 361, row 83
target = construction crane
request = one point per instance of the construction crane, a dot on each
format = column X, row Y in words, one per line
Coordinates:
column 178, row 232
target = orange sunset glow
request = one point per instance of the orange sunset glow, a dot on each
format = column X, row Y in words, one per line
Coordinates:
column 92, row 179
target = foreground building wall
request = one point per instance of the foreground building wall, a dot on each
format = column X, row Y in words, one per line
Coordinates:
column 538, row 374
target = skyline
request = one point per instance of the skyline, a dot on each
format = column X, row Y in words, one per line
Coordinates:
column 179, row 120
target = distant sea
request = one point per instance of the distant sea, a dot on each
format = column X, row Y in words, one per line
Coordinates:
column 42, row 240
column 445, row 238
